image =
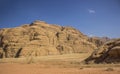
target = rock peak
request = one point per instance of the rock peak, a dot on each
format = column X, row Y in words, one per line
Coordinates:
column 38, row 23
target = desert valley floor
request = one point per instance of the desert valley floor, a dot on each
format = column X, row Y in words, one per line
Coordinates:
column 55, row 64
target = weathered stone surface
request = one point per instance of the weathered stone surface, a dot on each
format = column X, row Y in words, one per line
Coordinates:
column 107, row 53
column 98, row 41
column 40, row 38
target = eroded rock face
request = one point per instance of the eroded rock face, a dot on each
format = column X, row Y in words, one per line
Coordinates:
column 40, row 38
column 98, row 41
column 107, row 53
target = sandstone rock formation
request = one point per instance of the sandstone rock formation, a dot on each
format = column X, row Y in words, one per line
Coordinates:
column 40, row 38
column 107, row 53
column 98, row 41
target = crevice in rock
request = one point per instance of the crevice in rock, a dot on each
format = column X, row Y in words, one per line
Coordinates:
column 18, row 53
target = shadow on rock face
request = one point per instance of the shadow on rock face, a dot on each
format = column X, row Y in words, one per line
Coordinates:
column 108, row 53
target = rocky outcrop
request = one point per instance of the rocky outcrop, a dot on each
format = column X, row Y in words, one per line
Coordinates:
column 40, row 38
column 107, row 53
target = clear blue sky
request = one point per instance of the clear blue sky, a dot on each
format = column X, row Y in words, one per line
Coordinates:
column 92, row 17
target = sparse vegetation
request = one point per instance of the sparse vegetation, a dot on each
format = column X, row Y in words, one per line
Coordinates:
column 81, row 68
column 109, row 69
column 29, row 59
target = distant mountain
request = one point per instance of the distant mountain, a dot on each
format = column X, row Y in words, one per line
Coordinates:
column 98, row 41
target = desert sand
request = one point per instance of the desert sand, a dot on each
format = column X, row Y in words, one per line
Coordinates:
column 40, row 69
column 55, row 64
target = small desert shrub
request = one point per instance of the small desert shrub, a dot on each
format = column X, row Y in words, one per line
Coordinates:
column 29, row 59
column 109, row 69
column 81, row 68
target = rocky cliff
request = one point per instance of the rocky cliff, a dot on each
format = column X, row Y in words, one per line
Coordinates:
column 40, row 38
column 109, row 52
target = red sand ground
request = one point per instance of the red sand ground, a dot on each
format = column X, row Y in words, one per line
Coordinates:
column 7, row 68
